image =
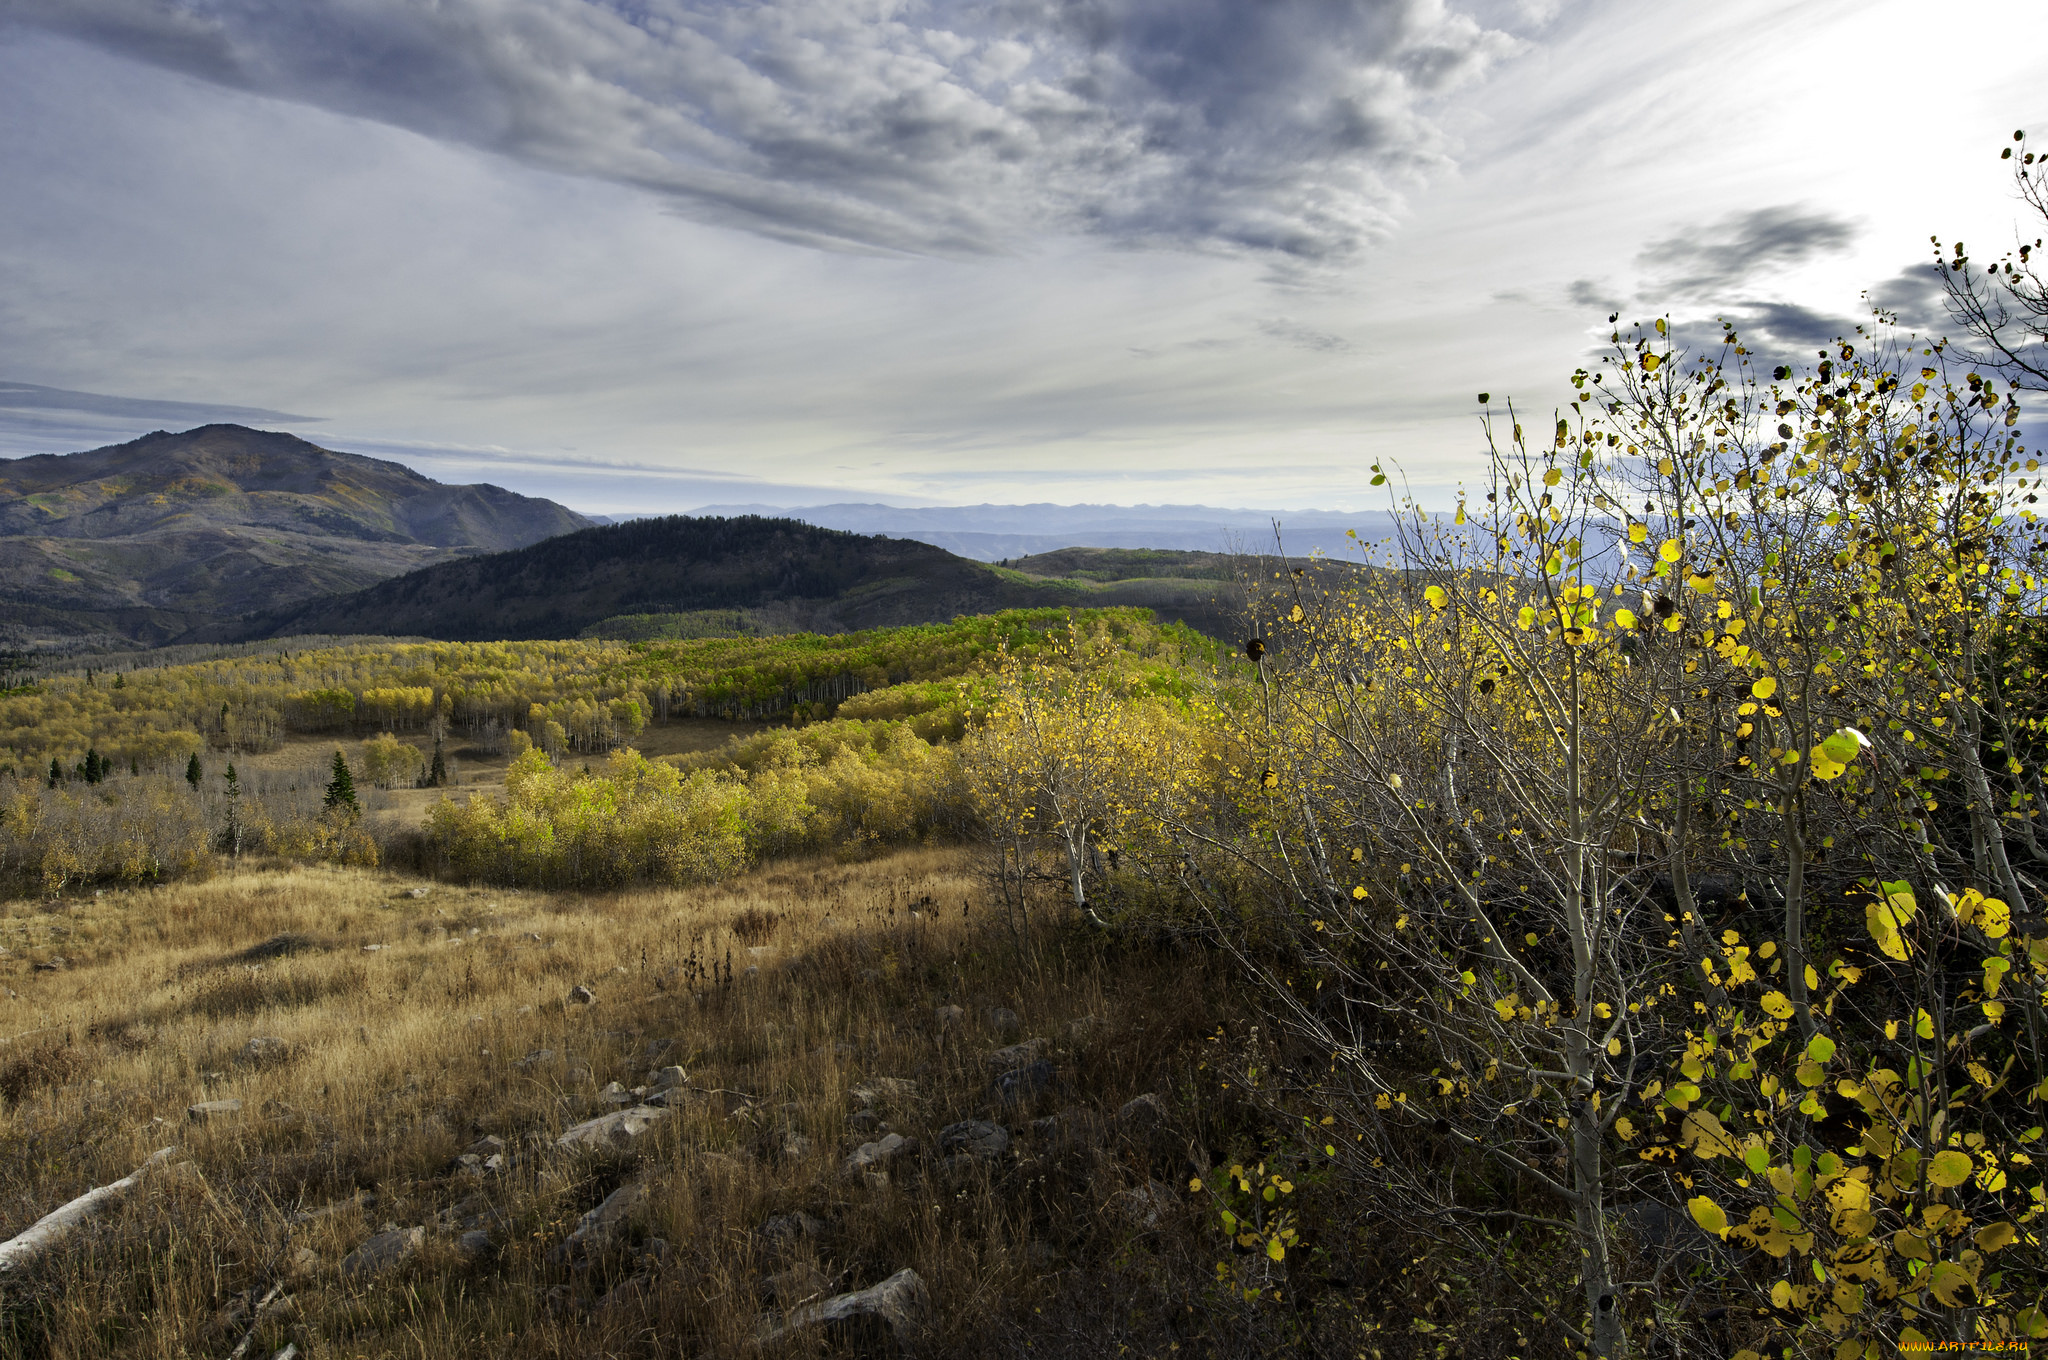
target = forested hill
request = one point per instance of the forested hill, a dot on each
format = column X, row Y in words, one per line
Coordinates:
column 787, row 576
column 144, row 541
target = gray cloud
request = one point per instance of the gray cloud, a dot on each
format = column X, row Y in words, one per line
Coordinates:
column 1304, row 337
column 16, row 396
column 1915, row 296
column 1711, row 259
column 947, row 126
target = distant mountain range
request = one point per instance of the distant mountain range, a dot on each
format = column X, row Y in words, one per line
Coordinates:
column 994, row 533
column 146, row 541
column 775, row 575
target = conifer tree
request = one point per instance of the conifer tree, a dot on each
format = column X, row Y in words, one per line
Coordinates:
column 193, row 773
column 341, row 789
column 56, row 772
column 437, row 773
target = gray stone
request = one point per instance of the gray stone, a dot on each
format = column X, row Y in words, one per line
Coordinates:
column 1016, row 1055
column 950, row 1017
column 879, row 1156
column 385, row 1251
column 619, row 1129
column 885, row 1093
column 787, row 1230
column 795, row 1146
column 666, row 1078
column 1003, row 1020
column 901, row 1302
column 615, row 1094
column 474, row 1244
column 800, row 1284
column 599, row 1228
column 305, row 1263
column 487, row 1145
column 1150, row 1206
column 264, row 1051
column 863, row 1122
column 976, row 1138
column 1023, row 1085
column 213, row 1109
column 582, row 996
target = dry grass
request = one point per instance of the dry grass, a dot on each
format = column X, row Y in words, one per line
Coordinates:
column 411, row 1026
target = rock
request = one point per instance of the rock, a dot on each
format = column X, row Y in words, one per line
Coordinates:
column 487, row 1145
column 621, row 1306
column 950, row 1017
column 1074, row 1128
column 863, row 1122
column 1081, row 1028
column 1003, row 1020
column 1023, row 1085
column 534, row 1059
column 599, row 1228
column 383, row 1252
column 885, row 1092
column 582, row 996
column 976, row 1138
column 494, row 1165
column 666, row 1078
column 882, row 1155
column 1150, row 1206
column 416, row 893
column 900, row 1303
column 1016, row 1055
column 795, row 1146
column 305, row 1263
column 213, row 1109
column 474, row 1244
column 787, row 1230
column 657, row 1048
column 615, row 1094
column 619, row 1129
column 373, row 948
column 264, row 1051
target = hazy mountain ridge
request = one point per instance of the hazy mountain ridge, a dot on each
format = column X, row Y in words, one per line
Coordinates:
column 994, row 533
column 145, row 541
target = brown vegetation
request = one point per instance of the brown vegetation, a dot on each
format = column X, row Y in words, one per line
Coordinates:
column 374, row 1028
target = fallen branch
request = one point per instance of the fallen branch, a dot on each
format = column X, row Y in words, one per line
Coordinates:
column 54, row 1226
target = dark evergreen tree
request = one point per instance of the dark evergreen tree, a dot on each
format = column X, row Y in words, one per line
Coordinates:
column 341, row 789
column 56, row 773
column 437, row 773
column 193, row 774
column 232, row 833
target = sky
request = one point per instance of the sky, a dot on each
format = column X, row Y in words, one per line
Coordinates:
column 644, row 255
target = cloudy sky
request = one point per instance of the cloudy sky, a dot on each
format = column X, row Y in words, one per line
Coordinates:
column 650, row 254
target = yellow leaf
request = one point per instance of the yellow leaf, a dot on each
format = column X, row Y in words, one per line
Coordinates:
column 1708, row 1215
column 1781, row 1294
column 1436, row 597
column 1650, row 363
column 1764, row 688
column 1997, row 1237
column 1638, row 532
column 1777, row 1004
column 1671, row 550
column 1624, row 618
column 1948, row 1280
column 1614, row 1048
column 1950, row 1169
column 1275, row 1250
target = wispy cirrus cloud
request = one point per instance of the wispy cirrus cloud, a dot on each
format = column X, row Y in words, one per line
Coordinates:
column 931, row 126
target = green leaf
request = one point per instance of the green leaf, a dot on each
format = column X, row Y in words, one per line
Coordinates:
column 1950, row 1169
column 1822, row 1049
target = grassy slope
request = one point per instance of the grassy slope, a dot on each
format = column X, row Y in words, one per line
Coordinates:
column 403, row 1056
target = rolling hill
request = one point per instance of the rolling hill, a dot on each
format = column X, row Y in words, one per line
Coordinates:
column 144, row 542
column 777, row 574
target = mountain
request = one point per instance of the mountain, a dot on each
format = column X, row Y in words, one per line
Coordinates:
column 145, row 541
column 785, row 576
column 1004, row 532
